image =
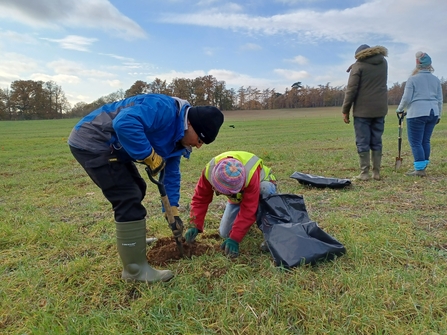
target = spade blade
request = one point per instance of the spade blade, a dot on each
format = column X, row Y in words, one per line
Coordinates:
column 398, row 163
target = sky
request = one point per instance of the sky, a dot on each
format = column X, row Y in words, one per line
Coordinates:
column 92, row 48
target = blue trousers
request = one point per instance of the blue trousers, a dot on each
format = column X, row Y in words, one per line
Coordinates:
column 368, row 133
column 231, row 210
column 419, row 131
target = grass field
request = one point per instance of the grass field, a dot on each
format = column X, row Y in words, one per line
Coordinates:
column 60, row 271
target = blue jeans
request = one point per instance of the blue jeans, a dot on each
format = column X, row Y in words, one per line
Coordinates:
column 231, row 210
column 419, row 131
column 368, row 133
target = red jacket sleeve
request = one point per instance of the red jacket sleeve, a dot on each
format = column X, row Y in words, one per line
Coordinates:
column 203, row 195
column 249, row 206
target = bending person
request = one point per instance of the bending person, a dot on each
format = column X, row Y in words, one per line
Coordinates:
column 242, row 178
column 153, row 129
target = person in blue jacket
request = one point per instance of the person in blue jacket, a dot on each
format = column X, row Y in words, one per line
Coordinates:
column 423, row 100
column 153, row 129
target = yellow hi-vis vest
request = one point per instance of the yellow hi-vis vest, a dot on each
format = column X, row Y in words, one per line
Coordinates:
column 249, row 161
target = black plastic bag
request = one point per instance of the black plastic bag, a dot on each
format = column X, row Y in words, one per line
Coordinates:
column 319, row 181
column 293, row 239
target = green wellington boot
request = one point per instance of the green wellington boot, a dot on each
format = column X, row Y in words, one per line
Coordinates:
column 131, row 243
column 364, row 166
column 376, row 162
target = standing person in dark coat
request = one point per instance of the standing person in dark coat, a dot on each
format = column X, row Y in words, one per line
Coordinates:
column 152, row 129
column 367, row 93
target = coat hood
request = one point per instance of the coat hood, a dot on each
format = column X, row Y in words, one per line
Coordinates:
column 373, row 54
column 373, row 51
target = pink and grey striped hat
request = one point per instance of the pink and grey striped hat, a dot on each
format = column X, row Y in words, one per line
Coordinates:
column 228, row 176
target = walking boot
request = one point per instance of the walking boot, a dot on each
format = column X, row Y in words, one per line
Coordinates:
column 376, row 162
column 365, row 164
column 131, row 243
column 419, row 169
column 417, row 173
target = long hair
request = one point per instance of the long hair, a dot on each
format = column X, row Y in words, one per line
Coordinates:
column 417, row 69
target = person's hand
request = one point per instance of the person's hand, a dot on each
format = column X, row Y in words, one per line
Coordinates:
column 154, row 162
column 230, row 248
column 177, row 225
column 346, row 118
column 191, row 234
column 439, row 120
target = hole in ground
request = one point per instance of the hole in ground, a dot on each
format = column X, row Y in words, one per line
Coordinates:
column 164, row 250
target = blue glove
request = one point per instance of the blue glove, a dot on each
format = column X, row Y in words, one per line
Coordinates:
column 191, row 235
column 230, row 247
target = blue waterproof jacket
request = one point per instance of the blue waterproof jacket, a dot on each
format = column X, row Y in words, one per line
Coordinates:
column 133, row 127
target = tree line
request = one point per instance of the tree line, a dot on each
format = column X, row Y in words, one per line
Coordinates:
column 32, row 100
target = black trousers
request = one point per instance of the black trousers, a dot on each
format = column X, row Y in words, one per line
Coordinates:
column 120, row 182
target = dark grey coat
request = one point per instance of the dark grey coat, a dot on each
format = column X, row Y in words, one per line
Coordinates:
column 367, row 91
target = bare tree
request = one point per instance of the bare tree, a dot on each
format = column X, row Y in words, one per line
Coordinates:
column 241, row 97
column 6, row 111
column 159, row 86
column 139, row 87
column 182, row 88
column 395, row 93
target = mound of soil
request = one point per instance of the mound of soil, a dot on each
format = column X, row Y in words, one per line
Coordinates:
column 165, row 251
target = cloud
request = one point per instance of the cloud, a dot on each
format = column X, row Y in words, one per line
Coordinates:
column 337, row 25
column 65, row 67
column 15, row 67
column 169, row 76
column 221, row 6
column 59, row 78
column 232, row 79
column 293, row 2
column 236, row 80
column 206, row 2
column 209, row 51
column 300, row 60
column 73, row 42
column 17, row 37
column 251, row 46
column 126, row 59
column 292, row 75
column 116, row 84
column 95, row 14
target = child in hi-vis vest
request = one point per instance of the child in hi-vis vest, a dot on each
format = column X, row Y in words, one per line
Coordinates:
column 240, row 176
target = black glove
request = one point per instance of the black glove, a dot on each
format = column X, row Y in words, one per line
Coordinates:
column 439, row 119
column 176, row 226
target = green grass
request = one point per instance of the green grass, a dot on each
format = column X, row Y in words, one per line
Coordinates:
column 60, row 271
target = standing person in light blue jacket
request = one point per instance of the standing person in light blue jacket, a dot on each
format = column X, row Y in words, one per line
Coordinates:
column 423, row 100
column 152, row 129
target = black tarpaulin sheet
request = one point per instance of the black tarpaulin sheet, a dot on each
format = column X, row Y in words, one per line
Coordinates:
column 320, row 181
column 293, row 239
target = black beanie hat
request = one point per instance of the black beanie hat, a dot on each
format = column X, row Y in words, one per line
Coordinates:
column 206, row 121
